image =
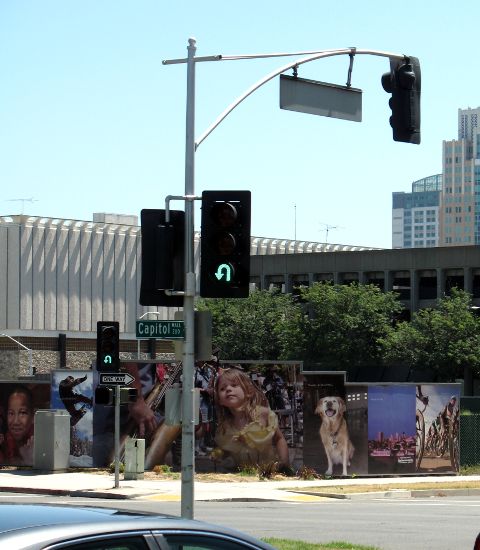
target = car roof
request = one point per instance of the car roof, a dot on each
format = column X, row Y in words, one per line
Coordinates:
column 21, row 516
column 35, row 525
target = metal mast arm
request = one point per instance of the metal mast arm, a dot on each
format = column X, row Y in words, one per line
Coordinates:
column 270, row 76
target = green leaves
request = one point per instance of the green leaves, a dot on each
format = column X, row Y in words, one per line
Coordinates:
column 262, row 326
column 343, row 326
column 346, row 323
column 445, row 339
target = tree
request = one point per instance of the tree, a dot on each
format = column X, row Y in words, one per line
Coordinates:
column 262, row 326
column 445, row 339
column 345, row 323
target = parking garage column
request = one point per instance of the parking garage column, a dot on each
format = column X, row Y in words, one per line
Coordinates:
column 440, row 283
column 288, row 283
column 263, row 282
column 468, row 279
column 414, row 284
column 388, row 281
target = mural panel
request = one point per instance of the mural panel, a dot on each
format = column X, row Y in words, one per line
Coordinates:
column 73, row 391
column 18, row 403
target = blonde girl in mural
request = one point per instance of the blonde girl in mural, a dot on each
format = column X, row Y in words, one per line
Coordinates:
column 247, row 430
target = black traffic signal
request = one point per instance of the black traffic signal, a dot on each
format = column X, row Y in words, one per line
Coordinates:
column 108, row 346
column 103, row 395
column 225, row 244
column 128, row 395
column 404, row 83
column 163, row 257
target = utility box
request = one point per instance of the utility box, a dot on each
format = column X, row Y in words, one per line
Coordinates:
column 134, row 458
column 51, row 439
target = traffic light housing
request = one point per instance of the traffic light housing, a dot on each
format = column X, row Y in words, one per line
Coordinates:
column 225, row 244
column 163, row 257
column 108, row 346
column 404, row 83
column 128, row 395
column 103, row 395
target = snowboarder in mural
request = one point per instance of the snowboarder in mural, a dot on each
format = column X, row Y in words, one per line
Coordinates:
column 70, row 398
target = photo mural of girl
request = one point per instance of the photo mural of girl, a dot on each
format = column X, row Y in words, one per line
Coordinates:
column 247, row 432
column 19, row 403
column 18, row 443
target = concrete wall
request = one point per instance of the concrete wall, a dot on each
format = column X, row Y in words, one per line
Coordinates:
column 64, row 275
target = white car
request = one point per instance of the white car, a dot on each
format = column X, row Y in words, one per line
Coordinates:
column 51, row 527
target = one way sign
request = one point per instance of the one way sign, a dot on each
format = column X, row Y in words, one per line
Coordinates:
column 121, row 379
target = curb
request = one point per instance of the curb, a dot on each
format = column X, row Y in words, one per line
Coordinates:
column 392, row 493
column 67, row 493
column 101, row 494
column 387, row 494
column 445, row 492
column 58, row 492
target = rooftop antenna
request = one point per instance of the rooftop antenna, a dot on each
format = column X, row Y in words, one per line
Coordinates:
column 23, row 201
column 295, row 221
column 327, row 227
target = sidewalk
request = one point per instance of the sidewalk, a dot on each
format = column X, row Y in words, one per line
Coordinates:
column 102, row 485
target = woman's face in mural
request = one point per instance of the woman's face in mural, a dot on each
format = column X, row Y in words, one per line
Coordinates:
column 230, row 394
column 19, row 416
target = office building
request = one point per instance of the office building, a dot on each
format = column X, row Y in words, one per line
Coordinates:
column 460, row 211
column 444, row 210
column 415, row 215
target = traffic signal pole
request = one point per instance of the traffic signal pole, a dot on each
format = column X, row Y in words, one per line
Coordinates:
column 188, row 422
column 117, row 437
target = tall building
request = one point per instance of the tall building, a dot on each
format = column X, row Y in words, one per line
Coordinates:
column 460, row 211
column 454, row 195
column 415, row 215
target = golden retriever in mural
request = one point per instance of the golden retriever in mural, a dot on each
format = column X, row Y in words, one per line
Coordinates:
column 334, row 433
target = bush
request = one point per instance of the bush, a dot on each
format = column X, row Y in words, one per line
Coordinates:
column 121, row 467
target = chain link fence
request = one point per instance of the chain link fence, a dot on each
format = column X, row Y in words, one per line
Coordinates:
column 470, row 439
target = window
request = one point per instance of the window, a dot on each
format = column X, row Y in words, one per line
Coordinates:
column 120, row 542
column 202, row 542
column 419, row 217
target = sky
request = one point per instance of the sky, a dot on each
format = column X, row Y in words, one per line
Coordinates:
column 391, row 409
column 91, row 121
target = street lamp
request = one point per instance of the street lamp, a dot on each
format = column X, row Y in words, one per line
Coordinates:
column 191, row 145
column 30, row 357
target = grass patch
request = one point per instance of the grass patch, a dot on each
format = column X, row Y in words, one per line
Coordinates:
column 471, row 470
column 288, row 544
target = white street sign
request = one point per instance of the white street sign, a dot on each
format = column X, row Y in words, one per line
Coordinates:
column 120, row 378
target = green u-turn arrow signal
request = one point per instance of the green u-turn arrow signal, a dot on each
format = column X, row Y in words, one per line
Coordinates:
column 107, row 359
column 224, row 271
